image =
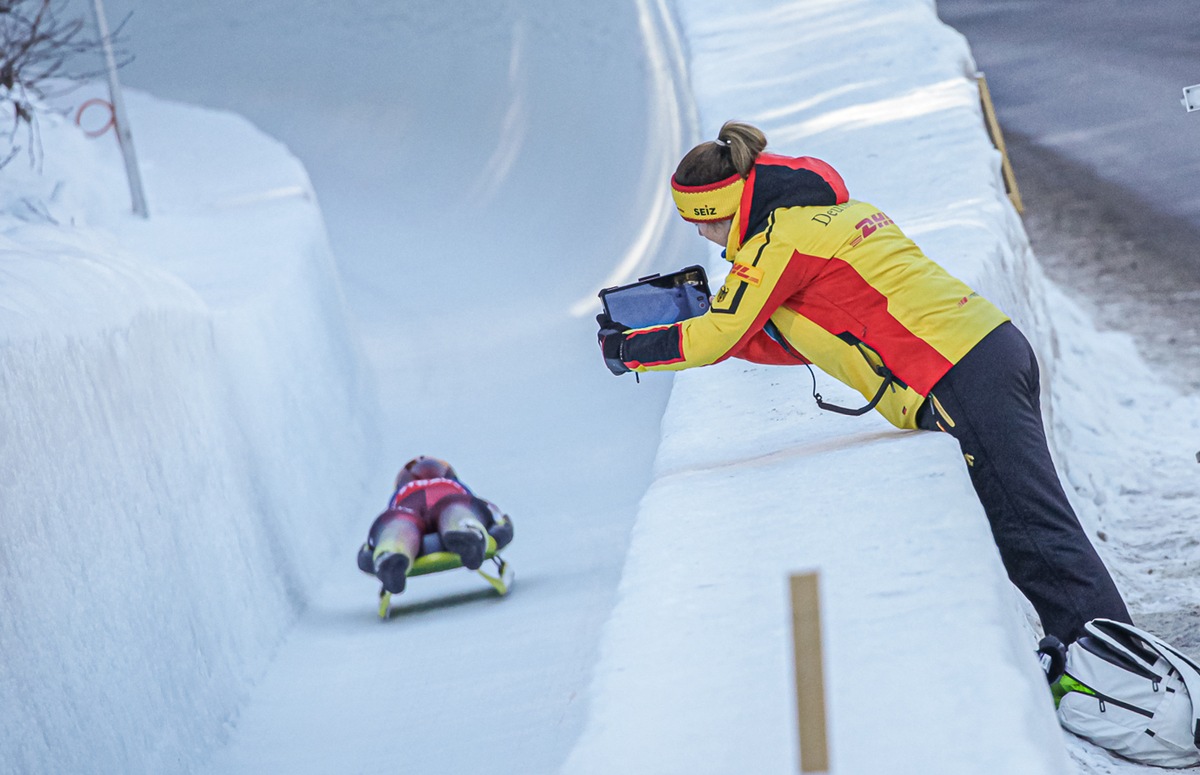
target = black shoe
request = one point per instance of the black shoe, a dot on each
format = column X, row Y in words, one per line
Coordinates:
column 392, row 571
column 470, row 544
column 1053, row 657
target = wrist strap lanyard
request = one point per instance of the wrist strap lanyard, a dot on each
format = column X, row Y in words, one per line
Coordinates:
column 889, row 378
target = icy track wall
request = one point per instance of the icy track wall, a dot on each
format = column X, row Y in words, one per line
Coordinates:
column 164, row 384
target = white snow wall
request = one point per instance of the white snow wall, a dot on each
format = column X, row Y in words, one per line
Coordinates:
column 157, row 533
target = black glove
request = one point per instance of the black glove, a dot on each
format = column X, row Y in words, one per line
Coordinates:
column 1053, row 656
column 611, row 338
column 366, row 559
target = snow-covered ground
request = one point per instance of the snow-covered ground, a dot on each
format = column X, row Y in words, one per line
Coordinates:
column 203, row 411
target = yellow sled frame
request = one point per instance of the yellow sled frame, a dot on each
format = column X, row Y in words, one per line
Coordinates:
column 436, row 562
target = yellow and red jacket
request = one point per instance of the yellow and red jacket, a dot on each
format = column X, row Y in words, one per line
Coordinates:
column 820, row 278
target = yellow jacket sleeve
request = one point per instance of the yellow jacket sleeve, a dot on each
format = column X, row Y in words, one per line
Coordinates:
column 757, row 283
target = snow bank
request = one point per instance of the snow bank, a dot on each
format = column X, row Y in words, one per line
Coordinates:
column 928, row 654
column 159, row 533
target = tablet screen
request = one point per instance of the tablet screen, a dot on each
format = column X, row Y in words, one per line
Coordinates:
column 659, row 299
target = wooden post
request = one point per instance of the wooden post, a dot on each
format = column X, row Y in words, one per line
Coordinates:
column 993, row 127
column 810, row 673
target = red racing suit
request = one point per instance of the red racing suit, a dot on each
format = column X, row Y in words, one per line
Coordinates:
column 429, row 506
column 420, row 500
column 820, row 278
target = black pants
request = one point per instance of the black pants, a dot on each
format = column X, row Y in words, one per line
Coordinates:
column 989, row 402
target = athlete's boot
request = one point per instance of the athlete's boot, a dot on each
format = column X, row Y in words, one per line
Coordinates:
column 392, row 570
column 469, row 541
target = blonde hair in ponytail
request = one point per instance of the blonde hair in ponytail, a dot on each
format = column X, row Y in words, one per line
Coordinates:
column 745, row 143
column 737, row 146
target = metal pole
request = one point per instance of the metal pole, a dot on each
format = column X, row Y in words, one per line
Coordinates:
column 120, row 120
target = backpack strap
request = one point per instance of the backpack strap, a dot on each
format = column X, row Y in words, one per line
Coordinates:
column 1129, row 643
column 1189, row 671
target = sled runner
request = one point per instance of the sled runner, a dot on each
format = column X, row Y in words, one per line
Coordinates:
column 434, row 559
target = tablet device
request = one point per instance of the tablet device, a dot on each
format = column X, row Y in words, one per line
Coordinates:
column 658, row 300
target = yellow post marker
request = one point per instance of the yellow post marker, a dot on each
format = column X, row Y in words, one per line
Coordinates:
column 993, row 127
column 810, row 673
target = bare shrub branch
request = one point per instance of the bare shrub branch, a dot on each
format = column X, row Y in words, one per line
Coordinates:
column 39, row 49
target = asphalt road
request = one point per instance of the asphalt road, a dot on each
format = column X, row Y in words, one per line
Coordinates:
column 1105, row 156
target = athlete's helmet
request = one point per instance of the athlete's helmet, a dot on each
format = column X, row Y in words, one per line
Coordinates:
column 424, row 467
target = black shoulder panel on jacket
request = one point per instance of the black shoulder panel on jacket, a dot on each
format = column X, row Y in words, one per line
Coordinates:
column 777, row 186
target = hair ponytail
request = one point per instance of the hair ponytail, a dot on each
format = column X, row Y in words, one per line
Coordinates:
column 745, row 142
column 734, row 152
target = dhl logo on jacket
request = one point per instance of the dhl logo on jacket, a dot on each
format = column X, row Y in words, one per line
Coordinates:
column 820, row 278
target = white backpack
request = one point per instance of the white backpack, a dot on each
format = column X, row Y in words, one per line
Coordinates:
column 1128, row 691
